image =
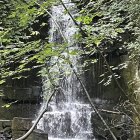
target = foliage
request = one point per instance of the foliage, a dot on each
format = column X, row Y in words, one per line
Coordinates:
column 109, row 25
column 21, row 37
column 134, row 25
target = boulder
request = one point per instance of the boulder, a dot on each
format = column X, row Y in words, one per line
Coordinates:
column 21, row 124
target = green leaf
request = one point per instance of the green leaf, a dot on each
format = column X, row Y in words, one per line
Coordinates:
column 119, row 30
column 1, row 94
column 2, row 82
column 34, row 33
column 74, row 52
column 6, row 105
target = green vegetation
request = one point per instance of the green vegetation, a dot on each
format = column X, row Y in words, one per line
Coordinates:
column 104, row 25
column 107, row 24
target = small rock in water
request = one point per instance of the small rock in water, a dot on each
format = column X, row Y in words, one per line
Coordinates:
column 2, row 138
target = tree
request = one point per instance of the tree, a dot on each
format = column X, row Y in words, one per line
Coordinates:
column 104, row 25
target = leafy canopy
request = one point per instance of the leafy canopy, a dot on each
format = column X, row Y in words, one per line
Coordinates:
column 24, row 28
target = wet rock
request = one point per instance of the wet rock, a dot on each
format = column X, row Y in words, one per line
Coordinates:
column 2, row 137
column 28, row 94
column 119, row 125
column 21, row 124
column 5, row 129
column 6, row 134
column 5, row 123
column 39, row 135
column 18, row 134
column 35, row 135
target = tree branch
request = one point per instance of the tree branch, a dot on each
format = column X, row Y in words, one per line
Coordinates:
column 92, row 105
column 85, row 35
column 83, row 86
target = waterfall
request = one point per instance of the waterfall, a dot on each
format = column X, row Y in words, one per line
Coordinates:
column 69, row 116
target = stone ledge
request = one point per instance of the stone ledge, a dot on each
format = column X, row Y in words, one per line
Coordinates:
column 5, row 123
column 22, row 94
column 21, row 124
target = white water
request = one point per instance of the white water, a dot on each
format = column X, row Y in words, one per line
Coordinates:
column 69, row 117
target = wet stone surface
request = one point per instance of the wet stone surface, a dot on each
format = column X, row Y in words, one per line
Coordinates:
column 119, row 124
column 5, row 130
column 6, row 134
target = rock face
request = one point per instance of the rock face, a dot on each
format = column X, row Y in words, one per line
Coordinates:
column 17, row 128
column 118, row 123
column 21, row 125
column 121, row 130
column 39, row 135
column 22, row 109
column 24, row 89
column 5, row 130
column 102, row 87
column 5, row 123
column 24, row 95
column 100, row 83
column 28, row 94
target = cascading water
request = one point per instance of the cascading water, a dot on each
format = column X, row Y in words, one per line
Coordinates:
column 69, row 117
